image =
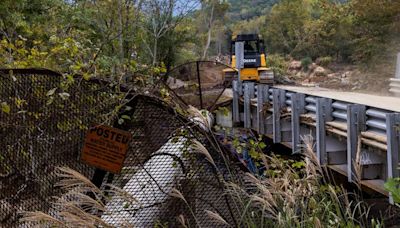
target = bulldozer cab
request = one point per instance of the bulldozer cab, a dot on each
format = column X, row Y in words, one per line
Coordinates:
column 252, row 44
column 255, row 67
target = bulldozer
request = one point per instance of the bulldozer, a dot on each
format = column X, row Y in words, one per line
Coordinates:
column 255, row 66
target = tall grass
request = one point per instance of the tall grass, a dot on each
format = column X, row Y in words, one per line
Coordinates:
column 79, row 206
column 292, row 197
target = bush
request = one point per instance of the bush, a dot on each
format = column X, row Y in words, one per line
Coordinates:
column 393, row 186
column 278, row 64
column 324, row 61
column 305, row 62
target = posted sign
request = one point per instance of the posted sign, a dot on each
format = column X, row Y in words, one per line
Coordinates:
column 105, row 148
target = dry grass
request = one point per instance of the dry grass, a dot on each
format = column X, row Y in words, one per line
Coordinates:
column 199, row 118
column 293, row 198
column 216, row 217
column 79, row 206
column 199, row 148
column 357, row 165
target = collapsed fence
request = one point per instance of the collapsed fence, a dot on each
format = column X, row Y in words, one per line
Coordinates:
column 44, row 116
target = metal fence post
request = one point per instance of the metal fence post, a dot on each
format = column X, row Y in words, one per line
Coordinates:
column 279, row 97
column 262, row 96
column 247, row 109
column 239, row 54
column 298, row 104
column 356, row 123
column 398, row 67
column 235, row 102
column 251, row 89
column 199, row 81
column 393, row 145
column 323, row 114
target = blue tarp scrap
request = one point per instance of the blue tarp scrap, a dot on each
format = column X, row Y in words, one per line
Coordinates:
column 242, row 156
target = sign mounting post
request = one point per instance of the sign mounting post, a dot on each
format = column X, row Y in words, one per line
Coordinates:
column 239, row 54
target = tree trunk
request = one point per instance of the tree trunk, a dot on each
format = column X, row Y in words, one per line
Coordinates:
column 155, row 51
column 120, row 31
column 209, row 33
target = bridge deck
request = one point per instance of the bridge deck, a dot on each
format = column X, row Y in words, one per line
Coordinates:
column 382, row 102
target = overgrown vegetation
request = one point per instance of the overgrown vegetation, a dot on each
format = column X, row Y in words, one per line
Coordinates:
column 286, row 194
column 139, row 37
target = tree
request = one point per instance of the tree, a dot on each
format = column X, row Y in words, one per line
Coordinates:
column 212, row 10
column 162, row 16
column 286, row 26
column 376, row 26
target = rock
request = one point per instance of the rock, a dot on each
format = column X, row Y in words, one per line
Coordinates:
column 295, row 65
column 345, row 80
column 312, row 66
column 346, row 74
column 319, row 71
column 332, row 75
column 299, row 74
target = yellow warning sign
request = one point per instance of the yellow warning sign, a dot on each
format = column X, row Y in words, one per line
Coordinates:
column 105, row 148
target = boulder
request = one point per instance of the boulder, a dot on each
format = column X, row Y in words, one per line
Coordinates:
column 295, row 65
column 312, row 66
column 319, row 71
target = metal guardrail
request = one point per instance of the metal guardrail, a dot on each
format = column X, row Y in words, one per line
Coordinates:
column 355, row 120
column 395, row 86
column 376, row 121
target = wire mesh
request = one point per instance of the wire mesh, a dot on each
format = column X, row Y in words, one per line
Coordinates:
column 200, row 84
column 43, row 120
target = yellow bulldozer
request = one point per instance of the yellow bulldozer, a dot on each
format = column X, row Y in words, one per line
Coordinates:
column 254, row 60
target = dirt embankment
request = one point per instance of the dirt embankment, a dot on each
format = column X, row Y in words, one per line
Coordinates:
column 344, row 77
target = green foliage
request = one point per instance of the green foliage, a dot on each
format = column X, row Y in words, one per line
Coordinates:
column 306, row 62
column 360, row 31
column 224, row 110
column 286, row 26
column 278, row 63
column 324, row 61
column 393, row 186
column 248, row 9
column 5, row 108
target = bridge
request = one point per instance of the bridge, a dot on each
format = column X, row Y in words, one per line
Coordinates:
column 349, row 129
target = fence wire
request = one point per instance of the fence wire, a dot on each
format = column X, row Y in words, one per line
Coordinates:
column 44, row 117
column 200, row 84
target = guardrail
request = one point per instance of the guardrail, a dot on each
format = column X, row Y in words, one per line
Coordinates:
column 340, row 129
column 395, row 86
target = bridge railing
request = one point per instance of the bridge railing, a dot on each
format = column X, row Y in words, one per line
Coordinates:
column 394, row 83
column 343, row 131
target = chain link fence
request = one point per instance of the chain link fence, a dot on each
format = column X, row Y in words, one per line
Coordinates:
column 200, row 84
column 44, row 117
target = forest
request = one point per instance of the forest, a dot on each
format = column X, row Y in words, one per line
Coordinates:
column 137, row 38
